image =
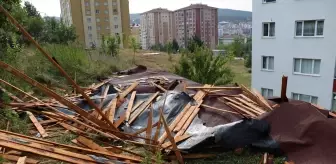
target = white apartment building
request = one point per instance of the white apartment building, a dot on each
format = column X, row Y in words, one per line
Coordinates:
column 295, row 38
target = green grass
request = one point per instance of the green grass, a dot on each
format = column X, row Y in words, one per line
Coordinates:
column 242, row 76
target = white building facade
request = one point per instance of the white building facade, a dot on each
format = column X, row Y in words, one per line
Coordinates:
column 295, row 38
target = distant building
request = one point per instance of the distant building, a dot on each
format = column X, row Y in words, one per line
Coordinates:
column 136, row 32
column 157, row 27
column 289, row 39
column 197, row 19
column 226, row 39
column 94, row 19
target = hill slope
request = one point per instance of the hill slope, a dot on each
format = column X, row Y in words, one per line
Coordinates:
column 223, row 15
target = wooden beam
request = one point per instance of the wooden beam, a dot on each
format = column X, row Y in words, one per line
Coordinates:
column 92, row 145
column 186, row 116
column 187, row 123
column 37, row 125
column 221, row 110
column 16, row 158
column 171, row 139
column 158, row 86
column 256, row 109
column 177, row 139
column 71, row 128
column 144, row 129
column 143, row 107
column 262, row 99
column 22, row 160
column 240, row 107
column 128, row 90
column 130, row 105
column 111, row 109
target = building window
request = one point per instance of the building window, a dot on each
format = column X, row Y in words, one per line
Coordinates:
column 106, row 19
column 88, row 20
column 98, row 28
column 266, row 92
column 89, row 28
column 106, row 11
column 115, row 11
column 86, row 3
column 267, row 1
column 114, row 3
column 309, row 28
column 88, row 12
column 268, row 63
column 90, row 36
column 98, row 20
column 269, row 29
column 107, row 27
column 306, row 98
column 105, row 3
column 97, row 3
column 115, row 26
column 97, row 11
column 307, row 66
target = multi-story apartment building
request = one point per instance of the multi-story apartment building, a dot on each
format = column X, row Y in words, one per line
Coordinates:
column 95, row 18
column 296, row 39
column 197, row 19
column 157, row 27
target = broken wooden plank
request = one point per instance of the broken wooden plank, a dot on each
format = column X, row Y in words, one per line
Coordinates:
column 262, row 99
column 222, row 110
column 241, row 107
column 256, row 109
column 111, row 110
column 177, row 140
column 71, row 128
column 188, row 122
column 143, row 107
column 193, row 156
column 92, row 145
column 50, row 121
column 186, row 116
column 149, row 126
column 171, row 139
column 128, row 90
column 158, row 86
column 37, row 125
column 16, row 158
column 130, row 105
column 22, row 160
column 255, row 98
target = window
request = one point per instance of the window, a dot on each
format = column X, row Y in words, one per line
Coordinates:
column 97, row 3
column 115, row 26
column 309, row 28
column 98, row 20
column 97, row 11
column 88, row 20
column 89, row 28
column 105, row 3
column 107, row 27
column 266, row 92
column 115, row 11
column 306, row 98
column 98, row 28
column 90, row 36
column 269, row 29
column 106, row 11
column 268, row 62
column 88, row 12
column 106, row 19
column 307, row 66
column 86, row 3
column 267, row 1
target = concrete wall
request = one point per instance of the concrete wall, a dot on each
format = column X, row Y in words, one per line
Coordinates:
column 285, row 46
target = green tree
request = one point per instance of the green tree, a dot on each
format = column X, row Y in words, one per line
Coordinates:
column 31, row 10
column 194, row 43
column 57, row 32
column 169, row 47
column 112, row 46
column 176, row 47
column 203, row 67
column 135, row 46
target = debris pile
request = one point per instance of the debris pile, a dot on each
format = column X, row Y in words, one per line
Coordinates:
column 155, row 112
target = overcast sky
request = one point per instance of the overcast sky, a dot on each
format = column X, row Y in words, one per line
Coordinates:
column 52, row 7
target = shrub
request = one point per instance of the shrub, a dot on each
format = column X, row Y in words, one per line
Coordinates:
column 203, row 67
